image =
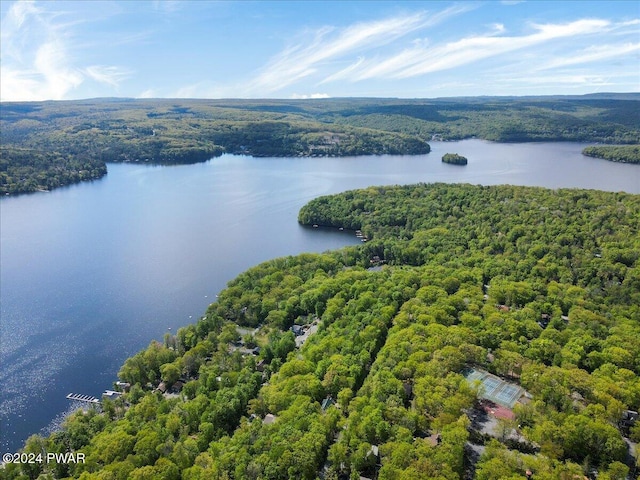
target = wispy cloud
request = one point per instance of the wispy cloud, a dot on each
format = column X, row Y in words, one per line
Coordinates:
column 61, row 50
column 51, row 65
column 592, row 54
column 35, row 53
column 397, row 49
column 329, row 44
column 422, row 59
column 38, row 57
column 575, row 80
column 108, row 75
column 13, row 44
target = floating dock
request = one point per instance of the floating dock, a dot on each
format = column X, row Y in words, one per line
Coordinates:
column 82, row 398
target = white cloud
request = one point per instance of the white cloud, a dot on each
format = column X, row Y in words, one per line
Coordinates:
column 297, row 96
column 421, row 59
column 108, row 75
column 328, row 44
column 13, row 44
column 39, row 58
column 17, row 15
column 355, row 53
column 592, row 54
column 550, row 31
column 568, row 79
column 17, row 85
column 56, row 76
column 472, row 49
column 347, row 72
column 579, row 80
column 50, row 50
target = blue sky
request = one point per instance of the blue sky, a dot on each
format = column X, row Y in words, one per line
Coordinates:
column 71, row 50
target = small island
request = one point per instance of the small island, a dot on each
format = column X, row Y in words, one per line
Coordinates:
column 454, row 159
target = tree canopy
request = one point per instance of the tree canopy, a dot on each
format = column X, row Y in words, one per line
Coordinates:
column 541, row 287
column 615, row 153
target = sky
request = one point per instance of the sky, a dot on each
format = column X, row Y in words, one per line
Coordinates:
column 64, row 50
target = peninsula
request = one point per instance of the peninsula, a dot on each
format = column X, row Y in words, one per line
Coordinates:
column 537, row 292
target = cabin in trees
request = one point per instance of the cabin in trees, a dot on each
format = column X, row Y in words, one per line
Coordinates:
column 177, row 387
column 124, row 386
column 327, row 402
column 269, row 418
column 545, row 318
column 628, row 420
column 111, row 394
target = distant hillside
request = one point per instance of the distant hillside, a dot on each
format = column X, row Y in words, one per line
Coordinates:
column 48, row 144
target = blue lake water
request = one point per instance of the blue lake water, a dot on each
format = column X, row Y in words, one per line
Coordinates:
column 91, row 273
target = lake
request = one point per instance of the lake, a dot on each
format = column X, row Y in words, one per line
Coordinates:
column 91, row 273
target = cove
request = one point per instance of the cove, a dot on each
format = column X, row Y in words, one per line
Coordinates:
column 91, row 273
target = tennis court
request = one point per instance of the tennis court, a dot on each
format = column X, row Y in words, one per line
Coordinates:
column 495, row 389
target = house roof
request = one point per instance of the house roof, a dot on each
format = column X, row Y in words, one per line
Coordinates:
column 327, row 402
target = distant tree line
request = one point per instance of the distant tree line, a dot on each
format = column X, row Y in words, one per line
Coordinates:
column 71, row 141
column 615, row 153
column 25, row 170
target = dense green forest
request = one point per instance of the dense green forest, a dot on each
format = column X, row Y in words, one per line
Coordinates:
column 44, row 170
column 540, row 287
column 615, row 153
column 80, row 136
column 454, row 159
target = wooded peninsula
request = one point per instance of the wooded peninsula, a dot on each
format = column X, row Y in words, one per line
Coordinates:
column 538, row 287
column 50, row 144
column 615, row 153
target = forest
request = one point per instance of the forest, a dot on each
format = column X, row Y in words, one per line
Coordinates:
column 50, row 144
column 615, row 153
column 538, row 287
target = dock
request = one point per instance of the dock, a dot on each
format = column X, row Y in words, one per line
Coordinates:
column 82, row 398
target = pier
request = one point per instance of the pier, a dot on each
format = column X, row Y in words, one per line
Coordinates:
column 83, row 398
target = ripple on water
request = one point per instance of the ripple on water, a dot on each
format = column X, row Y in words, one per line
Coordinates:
column 29, row 375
